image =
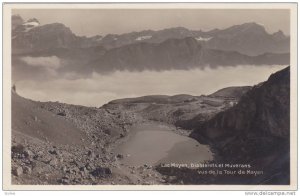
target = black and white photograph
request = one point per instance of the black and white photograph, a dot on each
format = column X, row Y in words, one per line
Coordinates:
column 150, row 95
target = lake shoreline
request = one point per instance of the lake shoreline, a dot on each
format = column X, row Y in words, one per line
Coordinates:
column 163, row 140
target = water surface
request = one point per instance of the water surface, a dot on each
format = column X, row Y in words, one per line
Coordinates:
column 155, row 144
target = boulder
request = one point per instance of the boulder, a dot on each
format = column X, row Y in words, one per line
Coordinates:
column 91, row 154
column 54, row 152
column 64, row 180
column 64, row 169
column 28, row 153
column 17, row 171
column 27, row 170
column 53, row 162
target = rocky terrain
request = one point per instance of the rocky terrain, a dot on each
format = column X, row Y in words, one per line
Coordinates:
column 57, row 143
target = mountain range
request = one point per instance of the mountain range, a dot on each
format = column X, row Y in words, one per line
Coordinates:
column 248, row 38
column 173, row 48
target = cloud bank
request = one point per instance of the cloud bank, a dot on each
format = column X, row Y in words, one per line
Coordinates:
column 51, row 62
column 100, row 89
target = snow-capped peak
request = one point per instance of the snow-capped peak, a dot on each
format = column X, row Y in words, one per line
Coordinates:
column 30, row 24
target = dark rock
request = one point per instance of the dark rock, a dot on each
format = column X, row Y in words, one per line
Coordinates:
column 35, row 157
column 64, row 180
column 82, row 168
column 61, row 114
column 122, row 135
column 91, row 154
column 28, row 153
column 101, row 172
column 18, row 149
column 107, row 131
column 27, row 170
column 32, row 163
column 53, row 152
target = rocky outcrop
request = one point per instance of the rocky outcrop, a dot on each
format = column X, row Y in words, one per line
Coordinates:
column 255, row 131
column 262, row 111
column 43, row 37
column 249, row 38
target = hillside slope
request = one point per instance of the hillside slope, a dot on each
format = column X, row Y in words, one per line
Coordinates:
column 29, row 119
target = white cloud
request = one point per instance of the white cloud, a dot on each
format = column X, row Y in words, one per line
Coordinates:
column 50, row 62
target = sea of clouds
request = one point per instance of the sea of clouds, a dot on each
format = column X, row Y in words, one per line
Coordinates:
column 98, row 89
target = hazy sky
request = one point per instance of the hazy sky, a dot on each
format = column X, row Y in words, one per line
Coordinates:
column 104, row 21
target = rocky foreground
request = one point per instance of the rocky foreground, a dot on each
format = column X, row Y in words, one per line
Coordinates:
column 56, row 143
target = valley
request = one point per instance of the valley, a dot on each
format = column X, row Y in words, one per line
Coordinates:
column 130, row 141
column 128, row 137
column 155, row 107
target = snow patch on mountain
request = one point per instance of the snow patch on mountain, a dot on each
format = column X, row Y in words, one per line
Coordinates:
column 203, row 38
column 143, row 37
column 30, row 25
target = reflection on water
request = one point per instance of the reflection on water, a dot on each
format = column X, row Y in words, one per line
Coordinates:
column 153, row 144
